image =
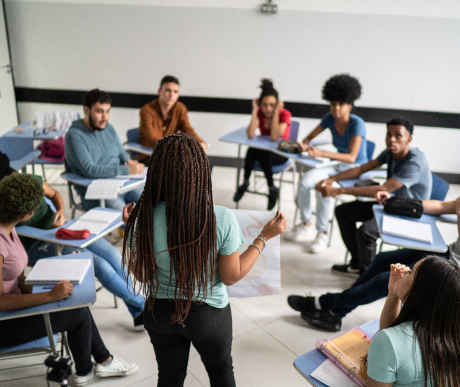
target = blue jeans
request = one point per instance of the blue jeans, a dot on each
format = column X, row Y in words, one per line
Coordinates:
column 107, row 268
column 118, row 203
column 373, row 283
column 209, row 329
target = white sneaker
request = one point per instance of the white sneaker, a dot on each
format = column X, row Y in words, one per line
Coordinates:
column 300, row 233
column 84, row 380
column 319, row 244
column 117, row 367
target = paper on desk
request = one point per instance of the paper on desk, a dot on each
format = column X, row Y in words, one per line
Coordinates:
column 95, row 221
column 405, row 228
column 264, row 278
column 306, row 155
column 141, row 175
column 104, row 189
column 329, row 374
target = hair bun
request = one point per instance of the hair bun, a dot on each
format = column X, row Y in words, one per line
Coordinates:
column 266, row 84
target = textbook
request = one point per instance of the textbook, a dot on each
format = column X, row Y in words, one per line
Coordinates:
column 409, row 229
column 346, row 352
column 52, row 271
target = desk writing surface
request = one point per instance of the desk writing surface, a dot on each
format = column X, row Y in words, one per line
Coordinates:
column 85, row 182
column 438, row 245
column 240, row 137
column 28, row 133
column 83, row 294
column 134, row 146
column 310, row 361
column 23, row 161
column 50, row 235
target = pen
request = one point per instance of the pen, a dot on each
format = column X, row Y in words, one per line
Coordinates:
column 277, row 213
column 48, row 287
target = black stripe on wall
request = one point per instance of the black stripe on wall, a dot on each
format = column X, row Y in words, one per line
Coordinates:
column 240, row 106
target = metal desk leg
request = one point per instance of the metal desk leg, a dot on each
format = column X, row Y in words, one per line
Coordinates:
column 238, row 168
column 58, row 249
column 49, row 332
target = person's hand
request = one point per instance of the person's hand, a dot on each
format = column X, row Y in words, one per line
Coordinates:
column 59, row 219
column 397, row 271
column 63, row 289
column 279, row 105
column 274, row 227
column 382, row 197
column 315, row 152
column 127, row 210
column 322, row 184
column 135, row 167
column 255, row 104
column 325, row 188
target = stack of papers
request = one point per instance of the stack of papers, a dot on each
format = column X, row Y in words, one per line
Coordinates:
column 329, row 374
column 408, row 229
column 52, row 271
column 95, row 221
column 104, row 189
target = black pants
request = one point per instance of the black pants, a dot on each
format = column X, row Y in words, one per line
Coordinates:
column 209, row 329
column 82, row 333
column 359, row 242
column 266, row 160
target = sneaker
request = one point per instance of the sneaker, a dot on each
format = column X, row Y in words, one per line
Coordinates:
column 84, row 380
column 139, row 322
column 323, row 319
column 319, row 244
column 347, row 268
column 273, row 196
column 300, row 303
column 240, row 192
column 300, row 233
column 117, row 367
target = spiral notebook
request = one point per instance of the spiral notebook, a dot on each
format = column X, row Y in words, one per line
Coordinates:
column 52, row 271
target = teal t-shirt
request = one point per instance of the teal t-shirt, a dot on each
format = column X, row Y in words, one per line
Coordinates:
column 229, row 240
column 394, row 356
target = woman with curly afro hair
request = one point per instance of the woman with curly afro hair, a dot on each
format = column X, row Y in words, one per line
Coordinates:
column 348, row 137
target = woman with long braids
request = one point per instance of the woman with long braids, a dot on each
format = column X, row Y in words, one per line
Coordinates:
column 419, row 345
column 269, row 115
column 182, row 251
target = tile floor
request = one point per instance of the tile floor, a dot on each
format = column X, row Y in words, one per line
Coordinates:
column 268, row 334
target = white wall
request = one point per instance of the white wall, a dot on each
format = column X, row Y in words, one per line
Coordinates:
column 406, row 55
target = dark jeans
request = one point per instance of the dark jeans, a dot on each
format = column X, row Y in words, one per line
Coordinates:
column 359, row 242
column 82, row 333
column 266, row 160
column 373, row 284
column 209, row 329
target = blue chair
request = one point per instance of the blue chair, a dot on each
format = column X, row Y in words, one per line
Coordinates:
column 439, row 188
column 289, row 165
column 133, row 146
column 18, row 150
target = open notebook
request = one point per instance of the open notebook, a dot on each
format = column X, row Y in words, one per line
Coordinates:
column 52, row 271
column 95, row 221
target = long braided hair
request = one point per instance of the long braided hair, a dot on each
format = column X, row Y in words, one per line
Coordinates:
column 178, row 174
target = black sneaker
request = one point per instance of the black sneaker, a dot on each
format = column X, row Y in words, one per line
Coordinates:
column 346, row 269
column 323, row 319
column 139, row 322
column 300, row 303
column 240, row 192
column 273, row 196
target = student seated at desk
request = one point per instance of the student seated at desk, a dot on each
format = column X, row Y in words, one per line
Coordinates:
column 164, row 116
column 418, row 344
column 20, row 197
column 408, row 174
column 328, row 310
column 349, row 137
column 107, row 259
column 183, row 250
column 269, row 115
column 93, row 150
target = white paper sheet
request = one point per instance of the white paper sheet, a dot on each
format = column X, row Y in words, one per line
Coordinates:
column 95, row 221
column 405, row 228
column 329, row 374
column 141, row 175
column 104, row 189
column 264, row 278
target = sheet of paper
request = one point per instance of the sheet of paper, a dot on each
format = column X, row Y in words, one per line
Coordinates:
column 305, row 155
column 264, row 278
column 141, row 175
column 104, row 189
column 52, row 271
column 95, row 221
column 405, row 228
column 329, row 374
